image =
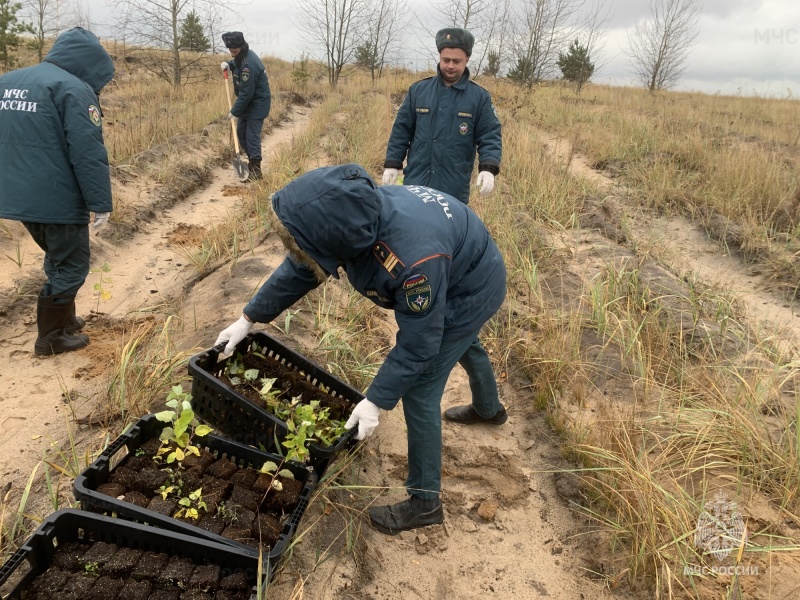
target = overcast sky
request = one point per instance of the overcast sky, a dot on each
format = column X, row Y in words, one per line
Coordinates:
column 743, row 46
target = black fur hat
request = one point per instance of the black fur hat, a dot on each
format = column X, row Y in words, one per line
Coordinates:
column 455, row 37
column 233, row 39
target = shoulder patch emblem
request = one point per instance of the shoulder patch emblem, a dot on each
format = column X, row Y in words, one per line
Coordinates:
column 494, row 111
column 463, row 129
column 388, row 259
column 245, row 74
column 94, row 115
column 414, row 281
column 419, row 299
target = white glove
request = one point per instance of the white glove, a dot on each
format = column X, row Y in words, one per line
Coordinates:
column 366, row 415
column 224, row 66
column 234, row 334
column 230, row 115
column 390, row 178
column 100, row 219
column 486, row 182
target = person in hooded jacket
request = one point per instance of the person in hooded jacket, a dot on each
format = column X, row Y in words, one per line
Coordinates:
column 427, row 257
column 443, row 123
column 253, row 99
column 54, row 172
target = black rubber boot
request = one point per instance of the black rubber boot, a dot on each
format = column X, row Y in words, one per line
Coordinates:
column 75, row 323
column 53, row 314
column 409, row 514
column 466, row 415
column 254, row 166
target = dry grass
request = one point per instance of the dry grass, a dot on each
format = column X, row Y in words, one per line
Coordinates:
column 698, row 400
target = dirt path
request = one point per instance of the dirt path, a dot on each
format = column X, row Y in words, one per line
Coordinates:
column 690, row 252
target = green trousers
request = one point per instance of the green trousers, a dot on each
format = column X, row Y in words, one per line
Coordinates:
column 66, row 255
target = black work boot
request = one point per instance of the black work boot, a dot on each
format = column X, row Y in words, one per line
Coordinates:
column 75, row 323
column 254, row 166
column 466, row 415
column 53, row 315
column 405, row 515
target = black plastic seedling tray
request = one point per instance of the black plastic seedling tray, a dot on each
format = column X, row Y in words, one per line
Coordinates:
column 35, row 556
column 240, row 419
column 148, row 427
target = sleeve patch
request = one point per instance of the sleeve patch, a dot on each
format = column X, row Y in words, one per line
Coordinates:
column 419, row 299
column 94, row 115
column 245, row 74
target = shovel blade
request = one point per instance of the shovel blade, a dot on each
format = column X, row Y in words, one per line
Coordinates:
column 242, row 171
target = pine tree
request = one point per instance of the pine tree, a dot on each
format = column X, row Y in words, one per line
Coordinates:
column 366, row 57
column 575, row 65
column 192, row 35
column 10, row 28
column 492, row 68
column 522, row 73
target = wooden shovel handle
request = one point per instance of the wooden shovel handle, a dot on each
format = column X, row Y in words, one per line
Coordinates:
column 233, row 125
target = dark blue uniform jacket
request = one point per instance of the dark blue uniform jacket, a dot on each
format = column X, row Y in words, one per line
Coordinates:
column 251, row 86
column 440, row 128
column 411, row 249
column 53, row 162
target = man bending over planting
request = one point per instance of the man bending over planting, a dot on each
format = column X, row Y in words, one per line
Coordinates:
column 431, row 260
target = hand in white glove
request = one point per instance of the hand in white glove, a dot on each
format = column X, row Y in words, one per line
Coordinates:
column 486, row 182
column 390, row 176
column 230, row 115
column 100, row 219
column 234, row 334
column 365, row 414
column 224, row 66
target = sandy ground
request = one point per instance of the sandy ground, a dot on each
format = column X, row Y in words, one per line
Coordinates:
column 509, row 531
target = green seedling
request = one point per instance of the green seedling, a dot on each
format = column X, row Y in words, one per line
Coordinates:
column 177, row 439
column 101, row 285
column 191, row 505
column 228, row 513
column 270, row 467
column 92, row 568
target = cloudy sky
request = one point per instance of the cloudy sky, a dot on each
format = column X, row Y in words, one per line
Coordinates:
column 743, row 47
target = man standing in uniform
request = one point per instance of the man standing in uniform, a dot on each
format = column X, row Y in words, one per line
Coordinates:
column 428, row 258
column 251, row 86
column 443, row 121
column 54, row 172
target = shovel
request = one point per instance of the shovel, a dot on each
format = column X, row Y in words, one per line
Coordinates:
column 242, row 171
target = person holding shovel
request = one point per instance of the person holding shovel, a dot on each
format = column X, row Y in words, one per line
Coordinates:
column 54, row 172
column 253, row 99
column 442, row 123
column 415, row 251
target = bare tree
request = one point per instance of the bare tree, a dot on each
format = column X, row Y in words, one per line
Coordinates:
column 542, row 28
column 157, row 24
column 82, row 16
column 593, row 28
column 386, row 23
column 331, row 27
column 659, row 47
column 48, row 18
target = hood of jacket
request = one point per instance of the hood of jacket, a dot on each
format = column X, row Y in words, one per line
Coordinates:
column 79, row 52
column 332, row 213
